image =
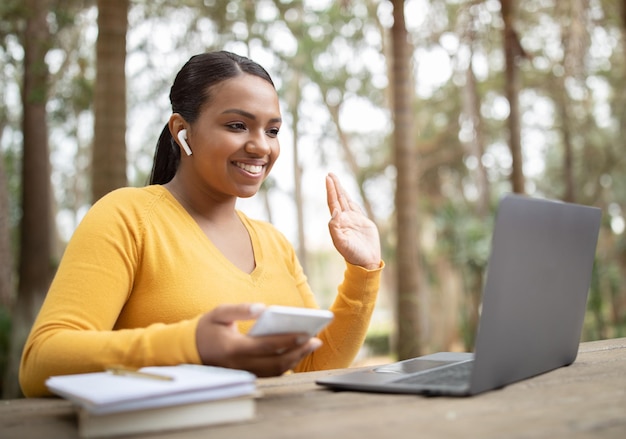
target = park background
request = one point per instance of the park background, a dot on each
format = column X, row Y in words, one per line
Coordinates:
column 429, row 111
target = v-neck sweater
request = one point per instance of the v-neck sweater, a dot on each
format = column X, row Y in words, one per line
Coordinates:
column 139, row 272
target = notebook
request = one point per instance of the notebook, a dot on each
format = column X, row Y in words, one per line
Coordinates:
column 533, row 306
column 124, row 401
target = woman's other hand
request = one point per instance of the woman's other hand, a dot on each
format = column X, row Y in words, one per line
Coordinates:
column 220, row 343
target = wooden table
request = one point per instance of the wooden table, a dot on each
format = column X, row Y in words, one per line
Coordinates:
column 584, row 400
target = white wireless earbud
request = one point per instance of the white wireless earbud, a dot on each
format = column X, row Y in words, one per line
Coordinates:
column 182, row 138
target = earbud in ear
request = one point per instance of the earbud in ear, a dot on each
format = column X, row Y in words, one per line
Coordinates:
column 182, row 138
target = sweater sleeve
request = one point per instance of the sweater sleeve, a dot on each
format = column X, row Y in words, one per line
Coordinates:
column 353, row 308
column 75, row 330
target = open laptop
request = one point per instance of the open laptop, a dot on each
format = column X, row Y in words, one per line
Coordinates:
column 533, row 306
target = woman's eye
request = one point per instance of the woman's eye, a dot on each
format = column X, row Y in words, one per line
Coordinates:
column 272, row 132
column 237, row 126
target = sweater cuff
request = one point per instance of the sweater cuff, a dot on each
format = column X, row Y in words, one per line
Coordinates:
column 360, row 282
column 177, row 343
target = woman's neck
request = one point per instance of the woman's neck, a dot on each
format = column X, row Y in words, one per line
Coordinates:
column 202, row 206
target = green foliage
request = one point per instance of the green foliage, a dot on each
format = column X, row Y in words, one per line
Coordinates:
column 464, row 238
column 11, row 15
column 12, row 169
column 378, row 342
column 5, row 336
column 606, row 306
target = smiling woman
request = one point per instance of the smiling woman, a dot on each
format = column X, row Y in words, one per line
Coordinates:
column 173, row 273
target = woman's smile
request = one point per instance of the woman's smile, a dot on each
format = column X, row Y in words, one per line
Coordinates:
column 250, row 168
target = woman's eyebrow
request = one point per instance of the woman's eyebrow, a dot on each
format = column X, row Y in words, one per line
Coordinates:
column 249, row 115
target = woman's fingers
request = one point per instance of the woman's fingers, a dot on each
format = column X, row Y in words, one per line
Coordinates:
column 269, row 345
column 342, row 199
column 282, row 359
column 338, row 198
column 219, row 343
column 227, row 314
column 331, row 196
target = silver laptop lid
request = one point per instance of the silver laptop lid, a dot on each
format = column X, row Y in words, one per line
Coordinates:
column 535, row 295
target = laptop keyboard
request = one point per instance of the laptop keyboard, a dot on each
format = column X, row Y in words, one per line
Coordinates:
column 455, row 375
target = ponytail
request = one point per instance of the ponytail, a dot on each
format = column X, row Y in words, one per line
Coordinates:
column 166, row 158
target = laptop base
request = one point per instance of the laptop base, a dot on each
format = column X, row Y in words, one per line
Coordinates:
column 392, row 378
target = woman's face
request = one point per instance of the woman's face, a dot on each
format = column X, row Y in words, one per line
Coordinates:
column 234, row 140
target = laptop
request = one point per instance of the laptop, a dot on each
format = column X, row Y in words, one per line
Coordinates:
column 533, row 307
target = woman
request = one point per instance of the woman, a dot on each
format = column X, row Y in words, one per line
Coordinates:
column 173, row 273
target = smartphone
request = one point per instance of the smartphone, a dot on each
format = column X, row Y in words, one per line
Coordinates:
column 278, row 319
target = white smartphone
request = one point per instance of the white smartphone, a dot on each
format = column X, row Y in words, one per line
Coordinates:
column 290, row 320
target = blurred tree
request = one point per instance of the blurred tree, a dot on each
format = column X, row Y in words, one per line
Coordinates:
column 10, row 15
column 294, row 97
column 332, row 63
column 109, row 147
column 6, row 250
column 475, row 260
column 292, row 92
column 513, row 51
column 407, row 241
column 575, row 41
column 71, row 116
column 35, row 270
column 623, row 17
column 472, row 119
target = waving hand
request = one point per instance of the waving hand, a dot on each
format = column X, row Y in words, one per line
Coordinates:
column 354, row 235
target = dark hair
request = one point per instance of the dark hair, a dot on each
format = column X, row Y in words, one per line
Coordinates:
column 189, row 93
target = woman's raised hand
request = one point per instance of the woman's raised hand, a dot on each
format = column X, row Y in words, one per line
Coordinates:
column 354, row 235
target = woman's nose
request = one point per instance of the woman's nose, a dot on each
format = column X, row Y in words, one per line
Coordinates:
column 258, row 145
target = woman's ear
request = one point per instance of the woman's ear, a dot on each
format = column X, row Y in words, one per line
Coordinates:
column 178, row 129
column 182, row 138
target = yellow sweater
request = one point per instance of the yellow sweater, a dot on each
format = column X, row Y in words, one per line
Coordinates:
column 139, row 272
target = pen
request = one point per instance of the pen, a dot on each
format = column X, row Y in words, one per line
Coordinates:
column 127, row 371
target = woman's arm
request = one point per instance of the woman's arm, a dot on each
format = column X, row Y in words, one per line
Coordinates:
column 356, row 238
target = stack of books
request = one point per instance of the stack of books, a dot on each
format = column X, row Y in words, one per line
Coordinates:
column 122, row 401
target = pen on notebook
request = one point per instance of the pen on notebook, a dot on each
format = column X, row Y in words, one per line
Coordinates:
column 128, row 371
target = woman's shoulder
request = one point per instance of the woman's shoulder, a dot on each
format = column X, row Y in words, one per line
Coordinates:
column 127, row 203
column 133, row 195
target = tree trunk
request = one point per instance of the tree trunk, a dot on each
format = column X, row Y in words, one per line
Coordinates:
column 6, row 253
column 297, row 170
column 622, row 116
column 476, row 145
column 623, row 11
column 109, row 149
column 512, row 52
column 568, row 147
column 620, row 300
column 35, row 270
column 575, row 48
column 408, row 270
